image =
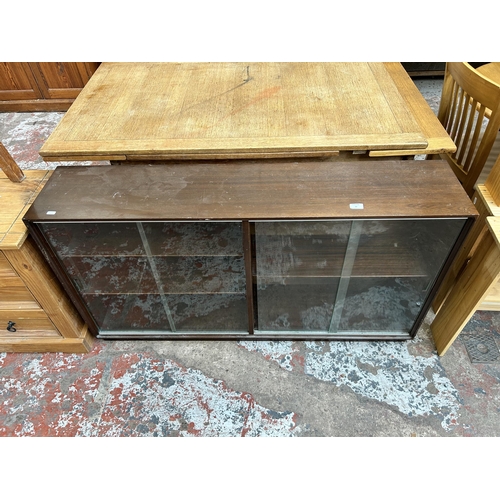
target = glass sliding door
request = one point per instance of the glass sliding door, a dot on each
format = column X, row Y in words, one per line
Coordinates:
column 358, row 277
column 156, row 276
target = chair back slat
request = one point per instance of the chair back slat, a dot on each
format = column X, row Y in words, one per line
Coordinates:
column 458, row 113
column 466, row 135
column 474, row 146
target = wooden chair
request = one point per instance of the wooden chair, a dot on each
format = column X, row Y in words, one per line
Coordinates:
column 9, row 166
column 473, row 280
column 486, row 199
column 472, row 287
column 470, row 103
column 492, row 72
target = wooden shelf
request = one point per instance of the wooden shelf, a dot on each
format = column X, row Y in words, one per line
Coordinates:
column 123, row 239
column 309, row 258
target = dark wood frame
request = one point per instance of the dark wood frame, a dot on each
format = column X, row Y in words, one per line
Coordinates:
column 254, row 191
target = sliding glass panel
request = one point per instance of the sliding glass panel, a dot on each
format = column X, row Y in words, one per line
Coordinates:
column 225, row 312
column 342, row 277
column 298, row 266
column 93, row 239
column 396, row 265
column 156, row 275
column 290, row 305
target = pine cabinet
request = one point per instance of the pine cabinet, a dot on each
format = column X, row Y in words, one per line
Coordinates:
column 274, row 250
column 36, row 315
column 42, row 86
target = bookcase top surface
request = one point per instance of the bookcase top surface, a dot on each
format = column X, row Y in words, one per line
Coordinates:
column 250, row 190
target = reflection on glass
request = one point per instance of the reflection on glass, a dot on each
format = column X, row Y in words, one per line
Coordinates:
column 348, row 277
column 156, row 276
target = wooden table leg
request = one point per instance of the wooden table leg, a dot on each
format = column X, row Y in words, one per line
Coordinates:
column 480, row 275
column 9, row 166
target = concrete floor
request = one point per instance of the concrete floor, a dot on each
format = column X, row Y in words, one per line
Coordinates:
column 230, row 388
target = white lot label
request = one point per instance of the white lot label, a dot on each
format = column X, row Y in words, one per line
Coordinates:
column 51, row 212
column 356, row 206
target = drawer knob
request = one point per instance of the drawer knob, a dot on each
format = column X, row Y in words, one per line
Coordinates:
column 10, row 326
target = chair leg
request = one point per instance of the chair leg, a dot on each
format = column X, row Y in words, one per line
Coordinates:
column 9, row 166
column 482, row 272
column 473, row 239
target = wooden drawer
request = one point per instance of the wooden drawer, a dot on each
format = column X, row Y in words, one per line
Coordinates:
column 27, row 324
column 13, row 292
column 6, row 270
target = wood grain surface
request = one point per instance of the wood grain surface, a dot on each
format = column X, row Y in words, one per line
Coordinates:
column 30, row 295
column 147, row 111
column 491, row 71
column 248, row 190
column 472, row 287
column 15, row 199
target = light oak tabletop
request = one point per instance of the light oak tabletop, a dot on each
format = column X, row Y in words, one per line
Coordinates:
column 192, row 111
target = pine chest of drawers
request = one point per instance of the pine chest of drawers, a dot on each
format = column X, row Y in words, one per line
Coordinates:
column 35, row 312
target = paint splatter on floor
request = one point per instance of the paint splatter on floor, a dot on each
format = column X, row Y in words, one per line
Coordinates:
column 23, row 134
column 387, row 372
column 381, row 371
column 285, row 353
column 126, row 395
column 40, row 399
column 162, row 398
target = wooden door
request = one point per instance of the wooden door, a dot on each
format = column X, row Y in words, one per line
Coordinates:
column 17, row 82
column 62, row 80
column 42, row 86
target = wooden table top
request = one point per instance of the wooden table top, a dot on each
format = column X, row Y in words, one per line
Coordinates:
column 162, row 111
column 491, row 71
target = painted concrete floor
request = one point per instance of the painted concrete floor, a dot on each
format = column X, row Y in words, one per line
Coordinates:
column 230, row 388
